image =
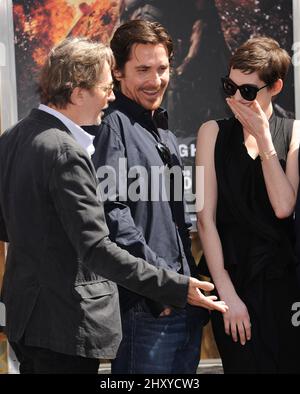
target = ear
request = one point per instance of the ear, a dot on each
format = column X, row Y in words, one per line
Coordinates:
column 277, row 87
column 118, row 74
column 77, row 96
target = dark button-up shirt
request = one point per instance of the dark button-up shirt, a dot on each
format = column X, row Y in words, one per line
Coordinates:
column 155, row 230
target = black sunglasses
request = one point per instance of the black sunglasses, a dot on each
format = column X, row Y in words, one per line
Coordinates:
column 165, row 154
column 248, row 91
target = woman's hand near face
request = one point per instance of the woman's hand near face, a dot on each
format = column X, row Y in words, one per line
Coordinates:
column 281, row 187
column 253, row 120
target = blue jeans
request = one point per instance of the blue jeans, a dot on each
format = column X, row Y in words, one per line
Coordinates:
column 163, row 345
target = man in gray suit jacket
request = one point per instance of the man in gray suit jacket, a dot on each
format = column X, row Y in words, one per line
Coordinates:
column 59, row 291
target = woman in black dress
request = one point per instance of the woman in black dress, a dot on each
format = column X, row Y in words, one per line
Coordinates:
column 250, row 183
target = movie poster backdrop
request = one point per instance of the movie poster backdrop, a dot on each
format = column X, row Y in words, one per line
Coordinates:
column 205, row 34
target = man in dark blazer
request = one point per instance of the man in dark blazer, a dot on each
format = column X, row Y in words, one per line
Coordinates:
column 62, row 306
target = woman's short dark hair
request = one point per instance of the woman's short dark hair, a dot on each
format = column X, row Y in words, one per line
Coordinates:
column 264, row 56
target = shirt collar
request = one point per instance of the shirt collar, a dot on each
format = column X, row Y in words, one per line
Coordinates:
column 159, row 118
column 84, row 139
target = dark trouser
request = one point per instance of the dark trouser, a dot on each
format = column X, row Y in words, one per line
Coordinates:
column 35, row 360
column 163, row 345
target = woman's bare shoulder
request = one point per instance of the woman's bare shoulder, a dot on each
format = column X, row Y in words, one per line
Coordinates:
column 208, row 130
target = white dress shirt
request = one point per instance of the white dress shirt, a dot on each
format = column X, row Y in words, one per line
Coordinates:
column 84, row 139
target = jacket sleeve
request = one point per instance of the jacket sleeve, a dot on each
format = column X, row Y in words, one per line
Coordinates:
column 72, row 186
column 3, row 231
column 109, row 149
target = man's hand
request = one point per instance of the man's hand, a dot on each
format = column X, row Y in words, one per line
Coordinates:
column 166, row 312
column 196, row 298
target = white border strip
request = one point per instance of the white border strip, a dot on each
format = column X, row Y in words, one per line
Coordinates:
column 8, row 88
column 8, row 97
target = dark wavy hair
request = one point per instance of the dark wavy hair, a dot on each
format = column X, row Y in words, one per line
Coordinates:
column 138, row 32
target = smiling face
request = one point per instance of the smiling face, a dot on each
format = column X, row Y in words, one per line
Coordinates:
column 264, row 96
column 146, row 75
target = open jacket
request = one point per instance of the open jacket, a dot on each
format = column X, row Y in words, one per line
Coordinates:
column 58, row 288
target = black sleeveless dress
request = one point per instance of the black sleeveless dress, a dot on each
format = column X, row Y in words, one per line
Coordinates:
column 258, row 251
